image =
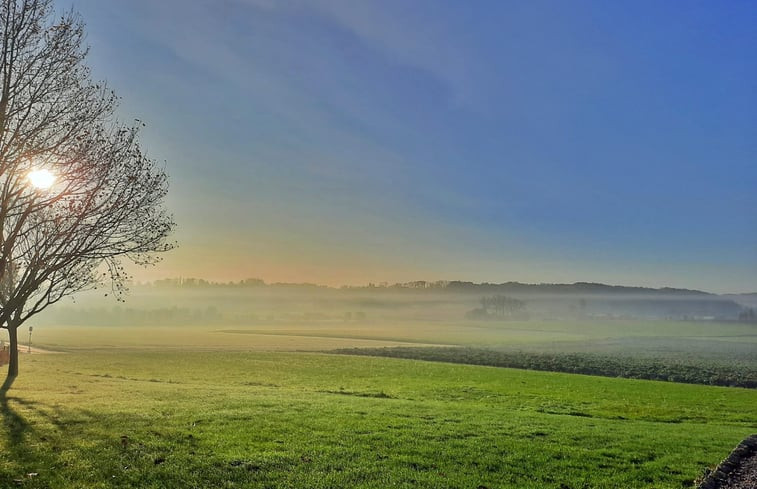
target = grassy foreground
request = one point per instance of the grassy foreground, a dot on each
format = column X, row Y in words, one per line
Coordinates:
column 305, row 420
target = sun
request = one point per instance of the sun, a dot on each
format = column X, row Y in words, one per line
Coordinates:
column 41, row 179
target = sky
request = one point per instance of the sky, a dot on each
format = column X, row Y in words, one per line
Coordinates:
column 347, row 142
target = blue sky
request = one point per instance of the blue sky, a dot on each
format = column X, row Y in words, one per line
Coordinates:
column 355, row 141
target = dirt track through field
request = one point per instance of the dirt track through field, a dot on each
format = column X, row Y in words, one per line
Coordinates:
column 24, row 350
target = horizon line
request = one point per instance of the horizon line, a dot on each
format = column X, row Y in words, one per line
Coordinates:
column 257, row 281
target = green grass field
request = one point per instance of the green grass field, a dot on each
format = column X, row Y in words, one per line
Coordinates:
column 638, row 337
column 309, row 420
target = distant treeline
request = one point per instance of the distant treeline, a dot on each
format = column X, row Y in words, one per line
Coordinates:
column 578, row 363
column 455, row 299
column 193, row 283
column 439, row 285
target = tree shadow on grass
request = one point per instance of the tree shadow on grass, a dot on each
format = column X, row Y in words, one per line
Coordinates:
column 16, row 456
column 36, row 441
column 15, row 424
column 32, row 436
column 43, row 446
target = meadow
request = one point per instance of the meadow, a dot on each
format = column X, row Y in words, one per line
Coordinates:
column 269, row 406
column 638, row 337
column 277, row 419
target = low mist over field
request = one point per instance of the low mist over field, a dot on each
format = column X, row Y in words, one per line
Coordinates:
column 196, row 301
column 559, row 318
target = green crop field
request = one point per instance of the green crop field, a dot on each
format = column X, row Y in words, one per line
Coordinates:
column 310, row 420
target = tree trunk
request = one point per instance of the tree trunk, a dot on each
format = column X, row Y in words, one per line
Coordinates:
column 13, row 363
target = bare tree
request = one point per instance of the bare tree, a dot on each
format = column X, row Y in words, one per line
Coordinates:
column 97, row 199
